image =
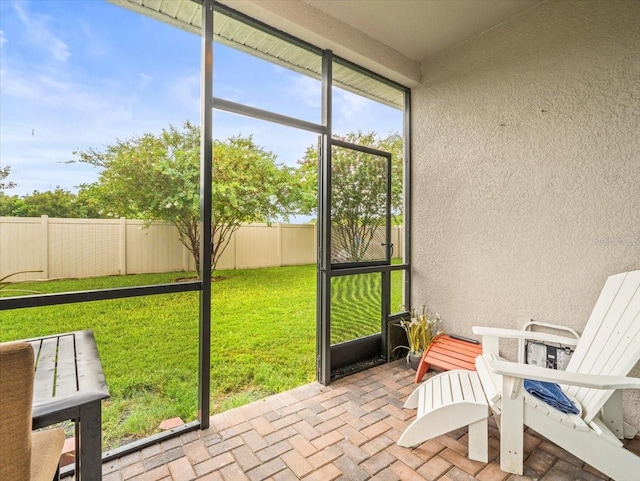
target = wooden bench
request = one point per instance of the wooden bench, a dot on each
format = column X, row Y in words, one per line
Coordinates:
column 448, row 353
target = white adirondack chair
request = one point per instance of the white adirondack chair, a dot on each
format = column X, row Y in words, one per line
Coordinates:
column 608, row 349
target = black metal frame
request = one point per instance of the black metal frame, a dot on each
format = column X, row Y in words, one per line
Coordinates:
column 247, row 20
column 325, row 271
column 203, row 285
column 58, row 298
column 407, row 197
column 389, row 247
column 323, row 294
column 335, row 361
column 206, row 244
column 354, row 355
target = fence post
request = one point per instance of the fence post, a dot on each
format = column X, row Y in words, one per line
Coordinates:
column 44, row 235
column 315, row 242
column 123, row 246
column 279, row 237
column 235, row 250
column 185, row 258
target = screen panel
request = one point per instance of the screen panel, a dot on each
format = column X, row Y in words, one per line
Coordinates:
column 359, row 205
column 356, row 306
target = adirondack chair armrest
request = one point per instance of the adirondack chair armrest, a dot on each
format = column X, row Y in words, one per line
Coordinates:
column 496, row 332
column 537, row 373
column 491, row 338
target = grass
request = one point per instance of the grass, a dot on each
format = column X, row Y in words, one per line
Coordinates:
column 262, row 340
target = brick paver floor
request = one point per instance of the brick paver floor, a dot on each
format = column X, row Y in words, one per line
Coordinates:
column 346, row 431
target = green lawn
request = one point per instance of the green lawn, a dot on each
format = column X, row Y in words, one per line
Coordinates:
column 263, row 341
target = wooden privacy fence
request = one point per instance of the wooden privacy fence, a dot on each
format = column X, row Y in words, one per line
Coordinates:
column 67, row 248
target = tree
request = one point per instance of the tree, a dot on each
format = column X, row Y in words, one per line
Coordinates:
column 157, row 177
column 5, row 184
column 6, row 201
column 358, row 188
column 8, row 205
column 54, row 203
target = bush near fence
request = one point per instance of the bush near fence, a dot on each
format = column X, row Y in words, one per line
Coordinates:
column 69, row 248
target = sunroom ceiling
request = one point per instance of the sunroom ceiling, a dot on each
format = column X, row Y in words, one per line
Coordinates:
column 422, row 29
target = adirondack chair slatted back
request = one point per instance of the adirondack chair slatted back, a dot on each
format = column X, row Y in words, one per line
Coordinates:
column 610, row 343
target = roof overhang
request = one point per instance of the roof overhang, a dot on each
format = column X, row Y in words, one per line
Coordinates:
column 389, row 37
column 234, row 30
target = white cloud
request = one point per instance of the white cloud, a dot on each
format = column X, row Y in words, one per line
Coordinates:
column 13, row 84
column 145, row 80
column 94, row 45
column 53, row 92
column 307, row 89
column 349, row 105
column 38, row 33
column 3, row 39
column 187, row 90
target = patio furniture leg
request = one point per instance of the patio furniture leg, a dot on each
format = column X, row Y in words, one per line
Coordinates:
column 479, row 441
column 89, row 430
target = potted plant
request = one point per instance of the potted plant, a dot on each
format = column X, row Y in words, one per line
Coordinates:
column 421, row 329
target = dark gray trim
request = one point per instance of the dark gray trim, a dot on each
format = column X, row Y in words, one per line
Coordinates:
column 406, row 218
column 360, row 148
column 58, row 298
column 379, row 153
column 206, row 247
column 235, row 108
column 369, row 269
column 347, row 357
column 369, row 73
column 386, row 310
column 230, row 12
column 355, row 351
column 323, row 311
column 386, row 275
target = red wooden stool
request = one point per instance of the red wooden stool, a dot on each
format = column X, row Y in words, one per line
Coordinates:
column 448, row 353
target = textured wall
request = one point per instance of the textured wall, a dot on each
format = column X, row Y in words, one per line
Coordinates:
column 526, row 168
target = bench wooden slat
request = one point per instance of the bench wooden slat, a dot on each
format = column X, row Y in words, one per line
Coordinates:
column 45, row 370
column 448, row 354
column 453, row 345
column 66, row 378
column 442, row 360
column 442, row 354
column 454, row 351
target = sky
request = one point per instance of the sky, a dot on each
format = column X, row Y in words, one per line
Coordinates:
column 76, row 75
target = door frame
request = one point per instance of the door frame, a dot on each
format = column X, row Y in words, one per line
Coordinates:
column 341, row 359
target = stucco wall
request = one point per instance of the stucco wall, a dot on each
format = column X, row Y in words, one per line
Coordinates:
column 526, row 168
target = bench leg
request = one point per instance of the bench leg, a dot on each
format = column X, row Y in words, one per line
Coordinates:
column 423, row 367
column 479, row 441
